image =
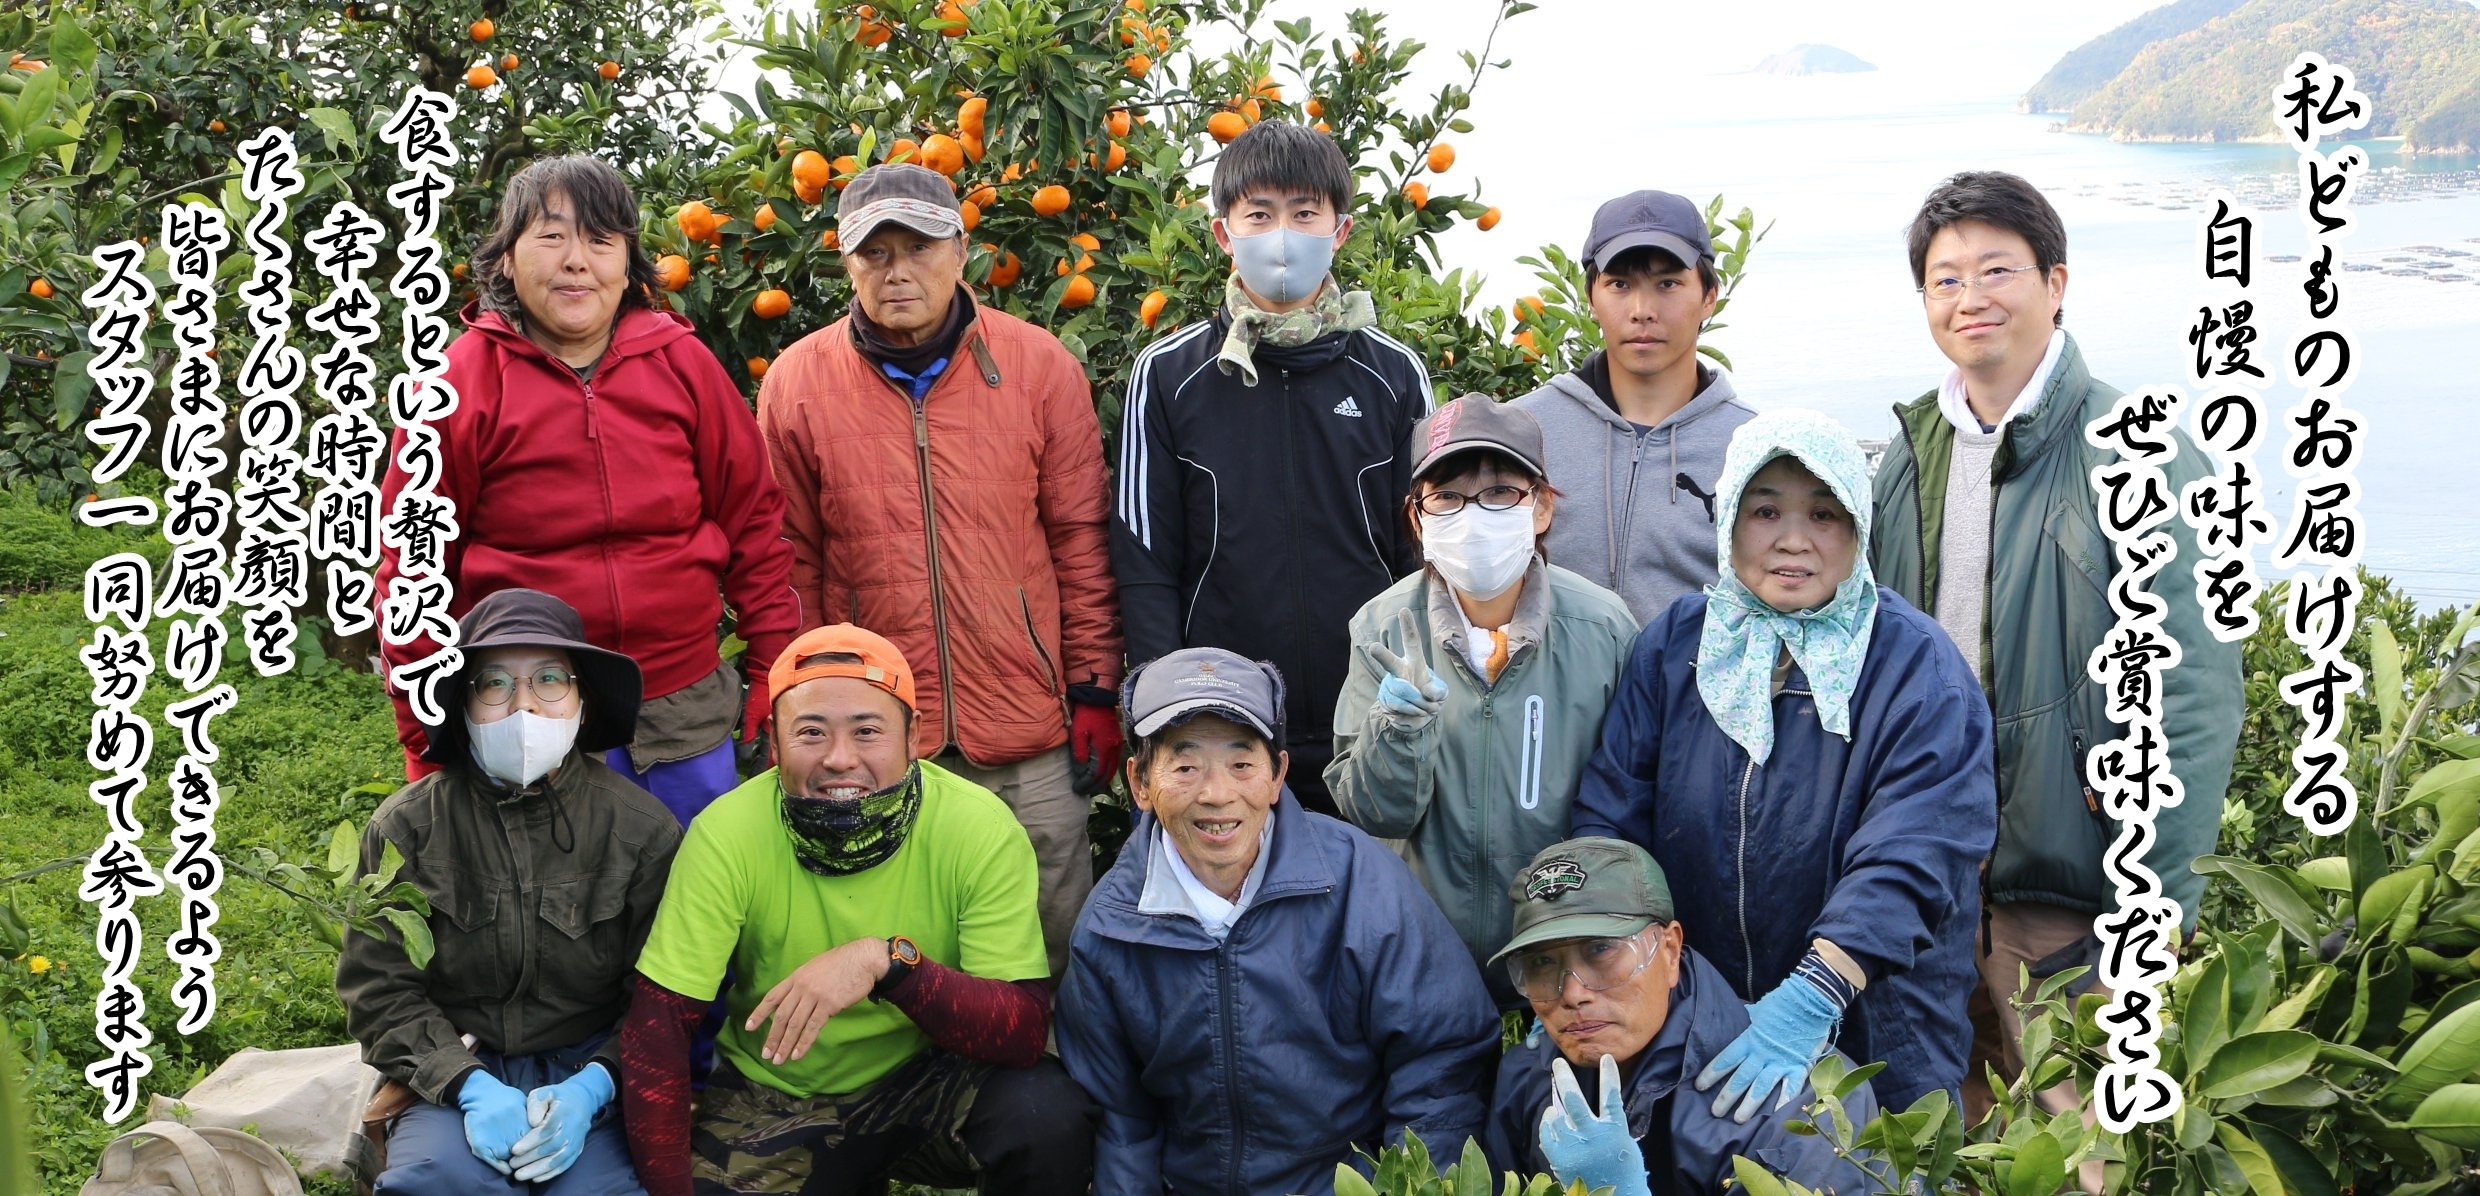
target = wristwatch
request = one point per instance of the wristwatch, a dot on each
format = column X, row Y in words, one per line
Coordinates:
column 902, row 955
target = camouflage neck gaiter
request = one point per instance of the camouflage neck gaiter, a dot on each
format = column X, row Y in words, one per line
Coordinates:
column 1333, row 309
column 839, row 838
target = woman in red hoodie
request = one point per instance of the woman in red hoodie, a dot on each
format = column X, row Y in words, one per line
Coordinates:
column 599, row 452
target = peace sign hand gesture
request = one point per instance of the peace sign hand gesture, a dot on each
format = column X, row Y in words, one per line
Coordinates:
column 1412, row 692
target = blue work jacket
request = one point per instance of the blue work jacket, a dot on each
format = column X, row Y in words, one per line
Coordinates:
column 1874, row 843
column 1695, row 1155
column 1339, row 1011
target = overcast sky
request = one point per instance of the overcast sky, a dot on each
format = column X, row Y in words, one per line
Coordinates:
column 1579, row 66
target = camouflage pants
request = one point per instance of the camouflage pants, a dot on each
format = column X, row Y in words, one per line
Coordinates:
column 751, row 1138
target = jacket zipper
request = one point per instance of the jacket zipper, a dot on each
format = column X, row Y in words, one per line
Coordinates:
column 1489, row 814
column 1231, row 1064
column 1989, row 575
column 510, row 1031
column 1292, row 533
column 1747, row 946
column 2092, row 805
column 1920, row 515
column 1042, row 655
column 930, row 538
column 1627, row 524
column 602, row 470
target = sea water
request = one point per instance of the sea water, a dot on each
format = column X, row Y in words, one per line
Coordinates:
column 1828, row 318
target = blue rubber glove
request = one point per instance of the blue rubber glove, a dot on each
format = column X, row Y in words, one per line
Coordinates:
column 494, row 1117
column 1787, row 1030
column 1400, row 700
column 1411, row 692
column 1587, row 1147
column 562, row 1114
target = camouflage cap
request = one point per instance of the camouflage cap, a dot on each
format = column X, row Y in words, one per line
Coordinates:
column 1586, row 889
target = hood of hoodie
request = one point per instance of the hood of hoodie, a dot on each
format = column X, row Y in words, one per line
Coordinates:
column 1636, row 510
column 1716, row 393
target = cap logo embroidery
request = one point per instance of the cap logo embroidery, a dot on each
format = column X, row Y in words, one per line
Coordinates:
column 1442, row 425
column 1552, row 879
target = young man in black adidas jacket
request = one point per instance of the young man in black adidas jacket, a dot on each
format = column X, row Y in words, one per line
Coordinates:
column 1262, row 455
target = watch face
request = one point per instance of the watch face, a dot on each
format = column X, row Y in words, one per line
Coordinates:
column 904, row 949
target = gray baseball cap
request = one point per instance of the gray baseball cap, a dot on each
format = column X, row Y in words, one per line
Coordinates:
column 1195, row 681
column 1478, row 421
column 900, row 193
column 1586, row 889
column 1641, row 218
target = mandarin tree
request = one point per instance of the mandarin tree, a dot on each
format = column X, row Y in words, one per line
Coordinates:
column 1089, row 173
column 144, row 102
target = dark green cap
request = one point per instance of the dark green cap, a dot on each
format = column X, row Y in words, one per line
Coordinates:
column 1586, row 889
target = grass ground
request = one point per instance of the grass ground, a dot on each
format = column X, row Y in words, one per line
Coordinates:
column 296, row 753
column 293, row 750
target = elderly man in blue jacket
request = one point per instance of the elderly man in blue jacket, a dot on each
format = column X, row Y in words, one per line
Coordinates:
column 1255, row 991
column 1617, row 989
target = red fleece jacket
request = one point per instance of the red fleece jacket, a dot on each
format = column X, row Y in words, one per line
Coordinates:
column 642, row 497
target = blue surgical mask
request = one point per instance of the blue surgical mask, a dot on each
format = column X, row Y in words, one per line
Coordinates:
column 1284, row 266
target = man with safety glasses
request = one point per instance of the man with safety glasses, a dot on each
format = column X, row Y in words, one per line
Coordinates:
column 1616, row 988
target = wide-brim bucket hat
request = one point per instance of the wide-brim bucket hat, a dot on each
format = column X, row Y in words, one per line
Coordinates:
column 608, row 681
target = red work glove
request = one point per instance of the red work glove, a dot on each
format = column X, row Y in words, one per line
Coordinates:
column 755, row 753
column 1094, row 742
column 755, row 710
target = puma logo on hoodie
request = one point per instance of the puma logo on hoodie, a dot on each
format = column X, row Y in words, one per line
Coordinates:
column 1684, row 482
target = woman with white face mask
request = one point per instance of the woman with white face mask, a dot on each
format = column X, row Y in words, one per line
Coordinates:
column 542, row 866
column 1477, row 685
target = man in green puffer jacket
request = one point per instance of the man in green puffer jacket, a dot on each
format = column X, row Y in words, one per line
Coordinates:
column 1985, row 518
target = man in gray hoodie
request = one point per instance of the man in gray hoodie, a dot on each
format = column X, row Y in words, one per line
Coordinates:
column 1635, row 435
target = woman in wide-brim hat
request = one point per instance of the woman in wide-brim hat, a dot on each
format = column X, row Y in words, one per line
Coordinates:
column 542, row 867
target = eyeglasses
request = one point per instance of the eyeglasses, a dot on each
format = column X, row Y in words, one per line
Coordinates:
column 1494, row 498
column 1541, row 973
column 550, row 684
column 1990, row 281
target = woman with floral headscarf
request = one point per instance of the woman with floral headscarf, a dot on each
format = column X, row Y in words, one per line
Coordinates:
column 1810, row 762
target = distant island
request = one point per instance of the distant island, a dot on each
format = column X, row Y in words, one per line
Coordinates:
column 1809, row 59
column 2205, row 70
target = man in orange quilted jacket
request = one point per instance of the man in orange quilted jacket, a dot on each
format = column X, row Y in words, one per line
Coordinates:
column 944, row 487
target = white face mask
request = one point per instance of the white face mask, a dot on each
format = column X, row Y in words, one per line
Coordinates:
column 520, row 748
column 1481, row 553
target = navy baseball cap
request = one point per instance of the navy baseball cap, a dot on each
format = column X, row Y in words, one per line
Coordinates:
column 1648, row 218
